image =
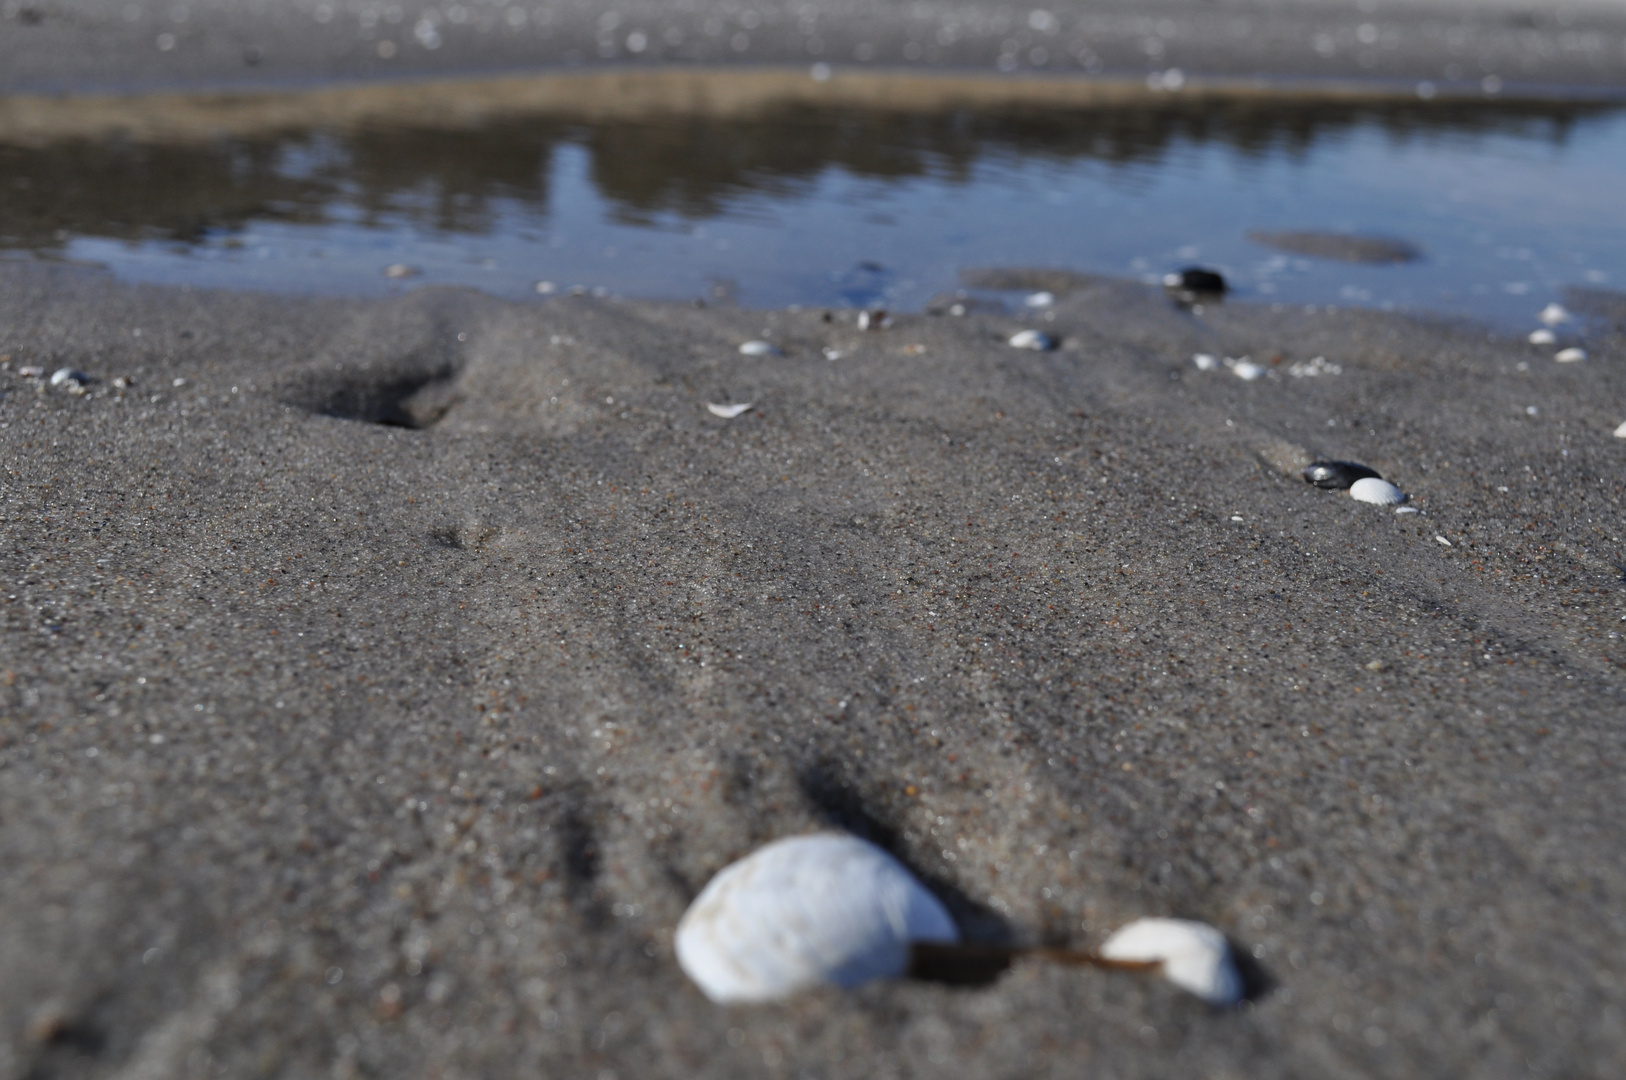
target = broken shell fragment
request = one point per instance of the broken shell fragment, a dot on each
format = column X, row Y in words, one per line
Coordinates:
column 1570, row 356
column 1337, row 475
column 69, row 377
column 760, row 348
column 1553, row 314
column 1205, row 361
column 809, row 910
column 727, row 412
column 1543, row 337
column 1195, row 279
column 1373, row 490
column 1246, row 369
column 1195, row 956
column 1620, row 432
column 1032, row 339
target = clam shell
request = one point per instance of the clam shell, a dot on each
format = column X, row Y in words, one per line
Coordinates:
column 727, row 412
column 1553, row 314
column 1032, row 339
column 804, row 911
column 69, row 376
column 1195, row 956
column 760, row 348
column 1570, row 355
column 1337, row 475
column 1543, row 337
column 1372, row 490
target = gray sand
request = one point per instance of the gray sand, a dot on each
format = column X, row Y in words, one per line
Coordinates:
column 334, row 746
column 49, row 46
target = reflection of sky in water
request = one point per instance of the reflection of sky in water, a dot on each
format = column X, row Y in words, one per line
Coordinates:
column 1506, row 219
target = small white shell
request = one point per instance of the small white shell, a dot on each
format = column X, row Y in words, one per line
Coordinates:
column 1195, row 956
column 760, row 348
column 1040, row 299
column 1032, row 339
column 1620, row 432
column 727, row 412
column 1570, row 356
column 1553, row 314
column 826, row 908
column 1373, row 490
column 1247, row 370
column 1543, row 337
column 1205, row 361
column 69, row 377
column 399, row 271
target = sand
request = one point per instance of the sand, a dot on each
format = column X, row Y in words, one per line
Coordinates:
column 329, row 744
column 380, row 679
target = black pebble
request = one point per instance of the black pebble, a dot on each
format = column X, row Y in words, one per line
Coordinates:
column 1337, row 475
column 1194, row 279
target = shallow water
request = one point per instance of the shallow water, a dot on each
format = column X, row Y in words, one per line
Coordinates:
column 1509, row 204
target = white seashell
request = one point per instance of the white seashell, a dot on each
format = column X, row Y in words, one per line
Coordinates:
column 1543, row 337
column 1205, row 362
column 1620, row 432
column 805, row 911
column 1373, row 490
column 760, row 348
column 69, row 377
column 1553, row 314
column 1040, row 299
column 31, row 371
column 727, row 412
column 874, row 320
column 546, row 288
column 1570, row 356
column 1032, row 339
column 1195, row 956
column 831, row 353
column 398, row 271
column 1248, row 370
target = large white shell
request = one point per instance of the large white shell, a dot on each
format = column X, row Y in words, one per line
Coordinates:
column 1195, row 956
column 826, row 908
column 1373, row 490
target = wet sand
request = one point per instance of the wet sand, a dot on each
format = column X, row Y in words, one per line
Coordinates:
column 375, row 699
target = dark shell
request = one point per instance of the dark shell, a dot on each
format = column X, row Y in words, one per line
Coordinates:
column 1337, row 475
column 1195, row 279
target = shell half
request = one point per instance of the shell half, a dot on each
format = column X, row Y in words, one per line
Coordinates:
column 1372, row 490
column 1195, row 956
column 808, row 910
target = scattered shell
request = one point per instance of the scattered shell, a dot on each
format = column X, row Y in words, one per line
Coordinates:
column 1373, row 490
column 874, row 320
column 1570, row 356
column 1442, row 539
column 826, row 908
column 123, row 382
column 760, row 348
column 1337, row 475
column 1620, row 432
column 831, row 353
column 1407, row 510
column 1246, row 369
column 546, row 288
column 400, row 270
column 31, row 371
column 1195, row 956
column 727, row 412
column 1543, row 337
column 69, row 377
column 1195, row 279
column 1553, row 314
column 1040, row 299
column 1032, row 339
column 1314, row 368
column 1205, row 361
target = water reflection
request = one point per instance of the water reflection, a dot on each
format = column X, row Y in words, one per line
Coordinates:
column 500, row 182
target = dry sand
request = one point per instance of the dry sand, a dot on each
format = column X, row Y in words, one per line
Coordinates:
column 336, row 746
